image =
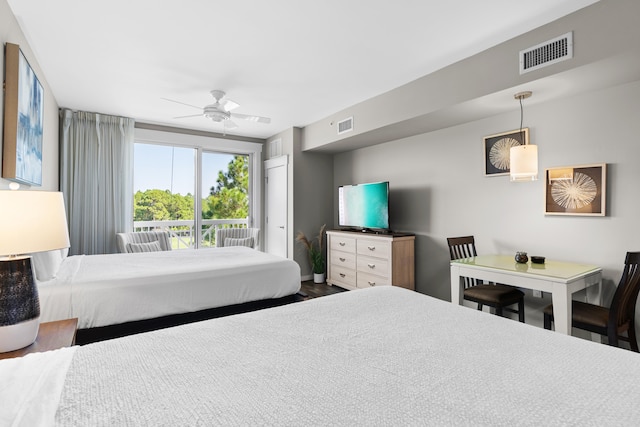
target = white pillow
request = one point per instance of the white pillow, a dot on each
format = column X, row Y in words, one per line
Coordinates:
column 47, row 264
column 247, row 241
column 144, row 247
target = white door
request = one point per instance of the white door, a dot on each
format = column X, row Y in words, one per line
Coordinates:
column 276, row 206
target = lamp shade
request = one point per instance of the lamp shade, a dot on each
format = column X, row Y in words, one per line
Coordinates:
column 32, row 221
column 523, row 162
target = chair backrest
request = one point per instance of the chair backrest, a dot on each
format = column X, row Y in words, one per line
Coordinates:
column 623, row 305
column 241, row 237
column 124, row 240
column 463, row 247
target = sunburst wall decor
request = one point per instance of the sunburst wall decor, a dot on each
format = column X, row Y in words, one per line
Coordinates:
column 497, row 148
column 582, row 192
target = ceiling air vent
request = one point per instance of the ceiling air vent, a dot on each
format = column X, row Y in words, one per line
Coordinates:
column 345, row 125
column 547, row 53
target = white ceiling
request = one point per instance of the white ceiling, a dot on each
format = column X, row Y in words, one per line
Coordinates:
column 294, row 61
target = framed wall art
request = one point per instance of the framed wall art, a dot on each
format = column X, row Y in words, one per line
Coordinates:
column 23, row 118
column 497, row 148
column 576, row 190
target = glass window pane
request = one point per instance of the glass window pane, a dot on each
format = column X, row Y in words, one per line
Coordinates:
column 164, row 183
column 225, row 193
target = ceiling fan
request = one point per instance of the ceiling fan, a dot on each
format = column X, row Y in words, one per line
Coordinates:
column 220, row 111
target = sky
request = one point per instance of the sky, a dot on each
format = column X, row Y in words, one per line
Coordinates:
column 152, row 166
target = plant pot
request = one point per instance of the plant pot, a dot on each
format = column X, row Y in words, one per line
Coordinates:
column 318, row 277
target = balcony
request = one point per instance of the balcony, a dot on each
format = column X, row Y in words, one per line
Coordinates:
column 183, row 234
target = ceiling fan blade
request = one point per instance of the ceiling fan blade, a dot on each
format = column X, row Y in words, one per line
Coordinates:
column 191, row 115
column 228, row 104
column 257, row 119
column 178, row 102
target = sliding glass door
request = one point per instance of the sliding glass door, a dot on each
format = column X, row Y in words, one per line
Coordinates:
column 166, row 178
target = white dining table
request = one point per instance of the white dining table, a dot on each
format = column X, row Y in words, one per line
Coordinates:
column 561, row 279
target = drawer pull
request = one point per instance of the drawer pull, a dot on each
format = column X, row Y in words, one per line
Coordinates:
column 343, row 275
column 372, row 283
column 371, row 265
column 371, row 248
column 342, row 259
column 341, row 243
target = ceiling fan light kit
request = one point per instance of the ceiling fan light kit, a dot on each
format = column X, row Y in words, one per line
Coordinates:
column 215, row 113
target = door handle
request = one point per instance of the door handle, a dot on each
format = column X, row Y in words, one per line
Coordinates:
column 282, row 226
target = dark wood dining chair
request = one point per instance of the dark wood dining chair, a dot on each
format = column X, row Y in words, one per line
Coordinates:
column 616, row 320
column 498, row 296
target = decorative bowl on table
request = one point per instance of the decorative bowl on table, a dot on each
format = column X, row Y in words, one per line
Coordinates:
column 537, row 259
column 521, row 257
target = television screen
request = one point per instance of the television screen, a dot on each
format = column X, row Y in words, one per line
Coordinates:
column 364, row 205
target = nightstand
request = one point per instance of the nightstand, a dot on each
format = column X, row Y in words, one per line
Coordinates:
column 51, row 336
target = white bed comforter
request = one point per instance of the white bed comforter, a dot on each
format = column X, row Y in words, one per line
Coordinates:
column 380, row 356
column 104, row 290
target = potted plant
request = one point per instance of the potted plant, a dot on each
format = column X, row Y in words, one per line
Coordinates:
column 315, row 253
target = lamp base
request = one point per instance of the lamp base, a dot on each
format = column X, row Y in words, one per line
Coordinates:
column 20, row 335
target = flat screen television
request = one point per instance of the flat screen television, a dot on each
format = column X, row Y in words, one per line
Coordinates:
column 364, row 206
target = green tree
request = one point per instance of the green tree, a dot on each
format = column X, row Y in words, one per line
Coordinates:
column 236, row 177
column 161, row 205
column 229, row 197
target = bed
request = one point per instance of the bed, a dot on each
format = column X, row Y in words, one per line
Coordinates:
column 378, row 356
column 102, row 290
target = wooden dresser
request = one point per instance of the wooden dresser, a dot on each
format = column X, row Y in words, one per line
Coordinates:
column 359, row 260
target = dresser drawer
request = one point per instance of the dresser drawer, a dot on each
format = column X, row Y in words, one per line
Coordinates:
column 344, row 244
column 375, row 248
column 343, row 259
column 372, row 265
column 368, row 280
column 343, row 276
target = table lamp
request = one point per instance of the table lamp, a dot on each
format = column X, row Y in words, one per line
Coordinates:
column 30, row 221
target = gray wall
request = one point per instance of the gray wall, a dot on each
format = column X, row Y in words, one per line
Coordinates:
column 438, row 188
column 10, row 33
column 312, row 195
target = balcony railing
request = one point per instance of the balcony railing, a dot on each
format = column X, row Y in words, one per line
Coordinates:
column 183, row 234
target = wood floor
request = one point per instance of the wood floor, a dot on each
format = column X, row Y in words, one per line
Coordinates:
column 309, row 289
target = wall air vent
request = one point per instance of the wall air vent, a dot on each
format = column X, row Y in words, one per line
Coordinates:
column 547, row 53
column 345, row 125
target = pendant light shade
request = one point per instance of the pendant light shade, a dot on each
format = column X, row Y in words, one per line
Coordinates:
column 524, row 162
column 523, row 159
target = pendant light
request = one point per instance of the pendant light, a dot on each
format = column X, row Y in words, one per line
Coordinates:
column 523, row 159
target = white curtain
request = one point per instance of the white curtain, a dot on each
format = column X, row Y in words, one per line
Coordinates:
column 96, row 177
